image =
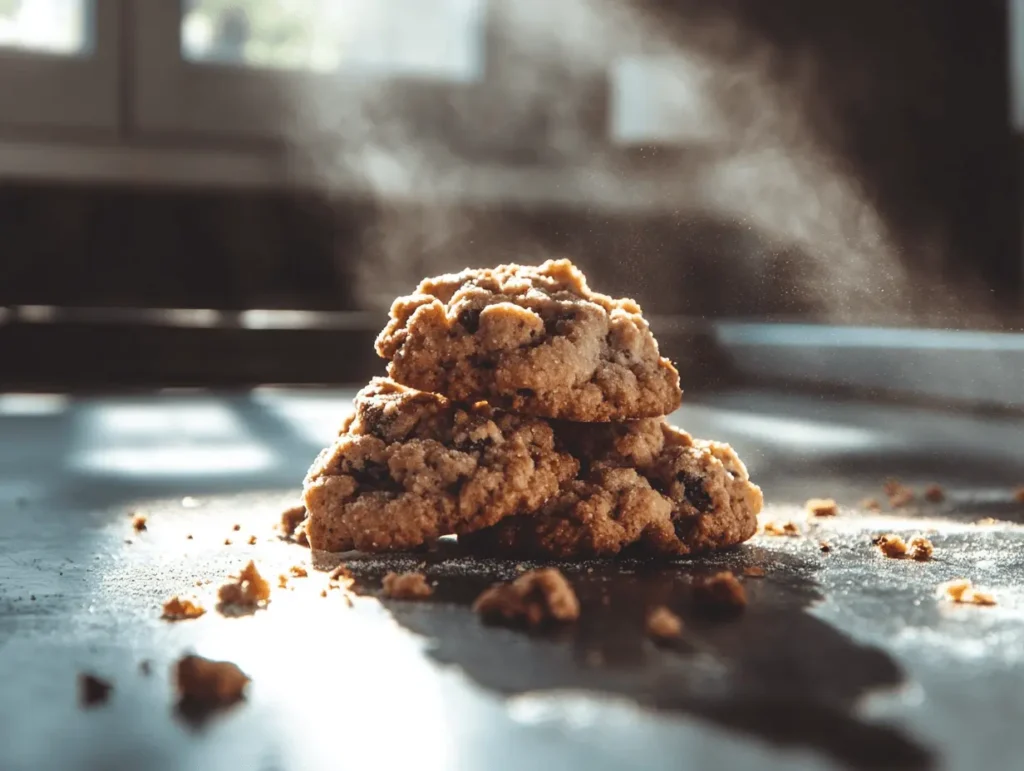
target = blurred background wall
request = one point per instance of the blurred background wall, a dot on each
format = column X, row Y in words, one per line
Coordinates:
column 838, row 162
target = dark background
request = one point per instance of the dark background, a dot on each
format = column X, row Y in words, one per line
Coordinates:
column 912, row 96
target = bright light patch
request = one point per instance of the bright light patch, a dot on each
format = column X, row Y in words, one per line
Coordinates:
column 32, row 404
column 206, row 459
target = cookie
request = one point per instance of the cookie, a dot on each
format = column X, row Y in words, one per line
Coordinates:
column 409, row 467
column 645, row 486
column 531, row 340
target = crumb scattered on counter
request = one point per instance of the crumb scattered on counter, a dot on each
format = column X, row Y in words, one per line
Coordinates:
column 934, row 494
column 236, row 527
column 753, row 571
column 181, row 608
column 211, row 683
column 406, row 586
column 781, row 528
column 900, row 496
column 227, row 541
column 92, row 690
column 891, row 486
column 298, row 571
column 291, row 518
column 822, row 507
column 871, row 504
column 721, row 591
column 824, row 547
column 892, row 545
column 962, row 591
column 139, row 522
column 188, row 537
column 252, row 540
column 663, row 625
column 340, row 573
column 282, row 581
column 534, row 597
column 300, row 536
column 249, row 589
column 921, row 548
column 323, row 592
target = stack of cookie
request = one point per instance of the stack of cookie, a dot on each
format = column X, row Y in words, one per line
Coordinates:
column 525, row 414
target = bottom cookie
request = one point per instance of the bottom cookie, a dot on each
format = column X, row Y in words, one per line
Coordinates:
column 649, row 487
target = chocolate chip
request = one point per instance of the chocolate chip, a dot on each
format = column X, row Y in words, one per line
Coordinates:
column 469, row 319
column 551, row 324
column 694, row 492
column 375, row 476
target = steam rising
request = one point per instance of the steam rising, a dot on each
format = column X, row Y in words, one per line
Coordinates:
column 750, row 158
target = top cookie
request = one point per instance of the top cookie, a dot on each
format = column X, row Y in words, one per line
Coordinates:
column 531, row 340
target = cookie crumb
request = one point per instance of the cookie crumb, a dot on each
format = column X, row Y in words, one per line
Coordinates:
column 962, row 591
column 300, row 536
column 753, row 571
column 533, row 598
column 934, row 494
column 92, row 690
column 227, row 541
column 181, row 608
column 781, row 528
column 406, row 586
column 291, row 518
column 248, row 590
column 892, row 545
column 282, row 581
column 323, row 592
column 822, row 507
column 139, row 522
column 871, row 504
column 900, row 496
column 720, row 592
column 921, row 548
column 341, row 573
column 298, row 571
column 252, row 540
column 824, row 547
column 188, row 537
column 663, row 625
column 209, row 683
column 891, row 486
column 236, row 527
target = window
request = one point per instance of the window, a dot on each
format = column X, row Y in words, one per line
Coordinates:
column 60, row 27
column 238, row 66
column 439, row 39
column 58, row 63
column 660, row 100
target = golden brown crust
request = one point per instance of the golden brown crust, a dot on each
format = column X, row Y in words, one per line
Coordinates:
column 684, row 496
column 410, row 467
column 532, row 340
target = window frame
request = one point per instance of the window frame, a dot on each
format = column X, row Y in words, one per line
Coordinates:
column 171, row 94
column 42, row 90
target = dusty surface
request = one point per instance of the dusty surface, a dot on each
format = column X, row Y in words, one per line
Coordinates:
column 535, row 340
column 869, row 661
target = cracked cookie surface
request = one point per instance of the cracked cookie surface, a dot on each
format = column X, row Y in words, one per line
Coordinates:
column 534, row 340
column 644, row 486
column 409, row 467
